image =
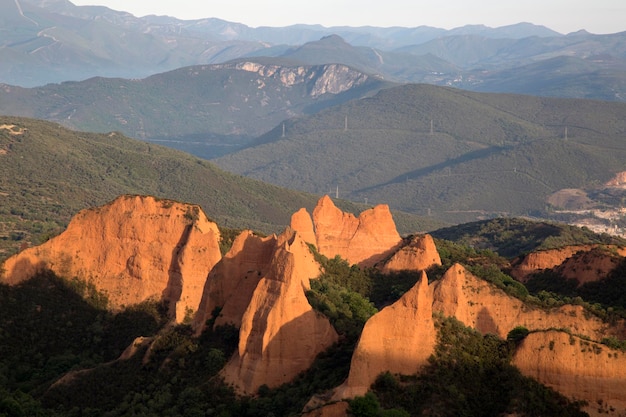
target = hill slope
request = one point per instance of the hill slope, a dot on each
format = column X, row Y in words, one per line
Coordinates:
column 48, row 173
column 487, row 154
column 208, row 110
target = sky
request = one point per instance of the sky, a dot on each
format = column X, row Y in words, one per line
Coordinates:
column 564, row 16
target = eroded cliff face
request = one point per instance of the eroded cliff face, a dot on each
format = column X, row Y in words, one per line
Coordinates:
column 365, row 240
column 480, row 305
column 280, row 334
column 321, row 79
column 619, row 180
column 577, row 368
column 585, row 263
column 232, row 281
column 133, row 249
column 592, row 265
column 398, row 339
column 419, row 254
column 540, row 260
column 401, row 337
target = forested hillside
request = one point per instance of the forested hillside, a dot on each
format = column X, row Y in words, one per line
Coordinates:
column 49, row 173
column 453, row 154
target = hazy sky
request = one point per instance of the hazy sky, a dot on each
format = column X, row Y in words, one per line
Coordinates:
column 596, row 16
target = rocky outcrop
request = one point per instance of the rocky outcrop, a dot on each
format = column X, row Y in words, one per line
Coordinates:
column 365, row 240
column 619, row 180
column 398, row 339
column 133, row 249
column 577, row 368
column 302, row 222
column 545, row 259
column 321, row 79
column 401, row 337
column 584, row 263
column 280, row 334
column 481, row 305
column 592, row 265
column 419, row 254
column 229, row 287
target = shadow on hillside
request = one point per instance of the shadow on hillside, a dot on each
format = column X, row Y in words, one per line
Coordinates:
column 174, row 288
column 49, row 328
column 466, row 157
column 231, row 282
column 23, row 270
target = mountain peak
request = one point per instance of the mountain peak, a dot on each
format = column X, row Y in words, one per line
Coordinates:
column 334, row 38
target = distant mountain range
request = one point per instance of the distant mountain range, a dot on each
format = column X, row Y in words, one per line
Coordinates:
column 317, row 109
column 207, row 110
column 44, row 41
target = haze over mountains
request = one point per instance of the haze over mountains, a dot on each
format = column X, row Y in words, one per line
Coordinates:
column 270, row 111
column 53, row 41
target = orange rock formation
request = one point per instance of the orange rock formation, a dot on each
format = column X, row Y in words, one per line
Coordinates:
column 418, row 255
column 364, row 240
column 619, row 180
column 585, row 263
column 406, row 325
column 280, row 334
column 133, row 249
column 399, row 339
column 232, row 281
column 576, row 368
column 592, row 265
column 544, row 259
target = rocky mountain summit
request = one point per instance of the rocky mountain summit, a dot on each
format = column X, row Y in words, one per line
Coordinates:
column 138, row 248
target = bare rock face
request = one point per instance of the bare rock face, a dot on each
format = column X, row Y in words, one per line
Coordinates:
column 619, row 180
column 399, row 339
column 576, row 368
column 280, row 334
column 232, row 281
column 134, row 249
column 592, row 265
column 480, row 305
column 540, row 260
column 301, row 221
column 585, row 263
column 418, row 255
column 365, row 240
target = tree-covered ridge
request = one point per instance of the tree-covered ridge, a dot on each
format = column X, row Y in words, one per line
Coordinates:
column 49, row 173
column 450, row 154
column 511, row 237
column 207, row 110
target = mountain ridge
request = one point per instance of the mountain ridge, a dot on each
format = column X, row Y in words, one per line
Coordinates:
column 452, row 150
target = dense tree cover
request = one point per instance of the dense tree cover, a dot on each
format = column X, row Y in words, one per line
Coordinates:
column 511, row 237
column 486, row 155
column 39, row 199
